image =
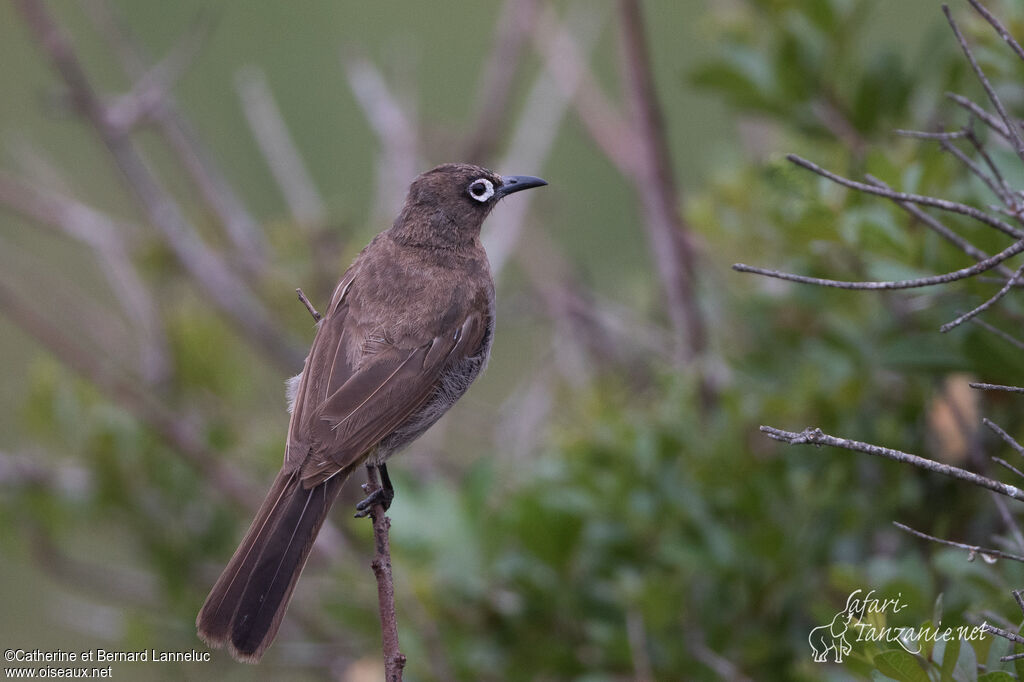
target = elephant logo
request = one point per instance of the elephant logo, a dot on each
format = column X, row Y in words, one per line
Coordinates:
column 832, row 637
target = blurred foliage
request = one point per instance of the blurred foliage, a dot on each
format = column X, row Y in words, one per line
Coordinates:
column 646, row 528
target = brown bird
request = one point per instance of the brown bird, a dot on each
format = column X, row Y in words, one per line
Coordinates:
column 408, row 329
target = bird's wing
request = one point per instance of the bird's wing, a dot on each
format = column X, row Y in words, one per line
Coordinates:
column 349, row 407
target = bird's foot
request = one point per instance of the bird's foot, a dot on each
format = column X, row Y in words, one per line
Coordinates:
column 382, row 495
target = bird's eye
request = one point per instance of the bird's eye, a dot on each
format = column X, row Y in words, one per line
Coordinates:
column 481, row 189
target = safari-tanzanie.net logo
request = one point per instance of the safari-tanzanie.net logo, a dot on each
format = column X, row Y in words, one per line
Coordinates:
column 831, row 641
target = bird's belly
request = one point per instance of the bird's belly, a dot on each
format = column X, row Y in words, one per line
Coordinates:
column 454, row 381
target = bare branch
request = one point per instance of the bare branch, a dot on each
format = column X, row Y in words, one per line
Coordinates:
column 815, row 436
column 1011, row 126
column 1007, row 438
column 1011, row 523
column 241, row 228
column 225, row 289
column 1006, row 465
column 992, row 181
column 152, row 87
column 1005, row 634
column 987, row 304
column 945, row 205
column 988, row 119
column 963, row 273
column 940, row 228
column 103, row 235
column 923, row 135
column 175, row 431
column 1007, row 194
column 1012, row 340
column 515, row 22
column 279, row 151
column 568, row 67
column 394, row 660
column 541, row 117
column 996, row 387
column 668, row 234
column 973, row 550
column 1000, row 29
column 396, row 131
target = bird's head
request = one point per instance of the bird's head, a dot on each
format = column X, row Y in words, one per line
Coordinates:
column 446, row 206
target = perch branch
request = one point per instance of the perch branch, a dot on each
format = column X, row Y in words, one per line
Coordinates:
column 815, row 436
column 394, row 660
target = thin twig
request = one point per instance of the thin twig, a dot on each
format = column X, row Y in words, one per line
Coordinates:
column 1006, row 465
column 1005, row 634
column 940, row 135
column 1007, row 517
column 987, row 304
column 973, row 550
column 988, row 119
column 815, row 436
column 996, row 387
column 394, row 660
column 1009, row 338
column 963, row 273
column 940, row 228
column 309, row 306
column 1007, row 194
column 1000, row 29
column 1014, row 130
column 1007, row 438
column 944, row 204
column 1000, row 190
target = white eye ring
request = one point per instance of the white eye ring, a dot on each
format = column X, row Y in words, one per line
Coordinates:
column 481, row 189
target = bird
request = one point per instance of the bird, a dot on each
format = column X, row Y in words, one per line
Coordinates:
column 408, row 329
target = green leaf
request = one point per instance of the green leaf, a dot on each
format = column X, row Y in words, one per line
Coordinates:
column 950, row 655
column 899, row 665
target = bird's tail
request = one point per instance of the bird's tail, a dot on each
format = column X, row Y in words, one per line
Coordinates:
column 246, row 605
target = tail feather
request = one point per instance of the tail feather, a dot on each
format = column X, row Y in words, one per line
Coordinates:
column 246, row 605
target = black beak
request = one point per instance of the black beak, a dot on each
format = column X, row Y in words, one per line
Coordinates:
column 517, row 183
